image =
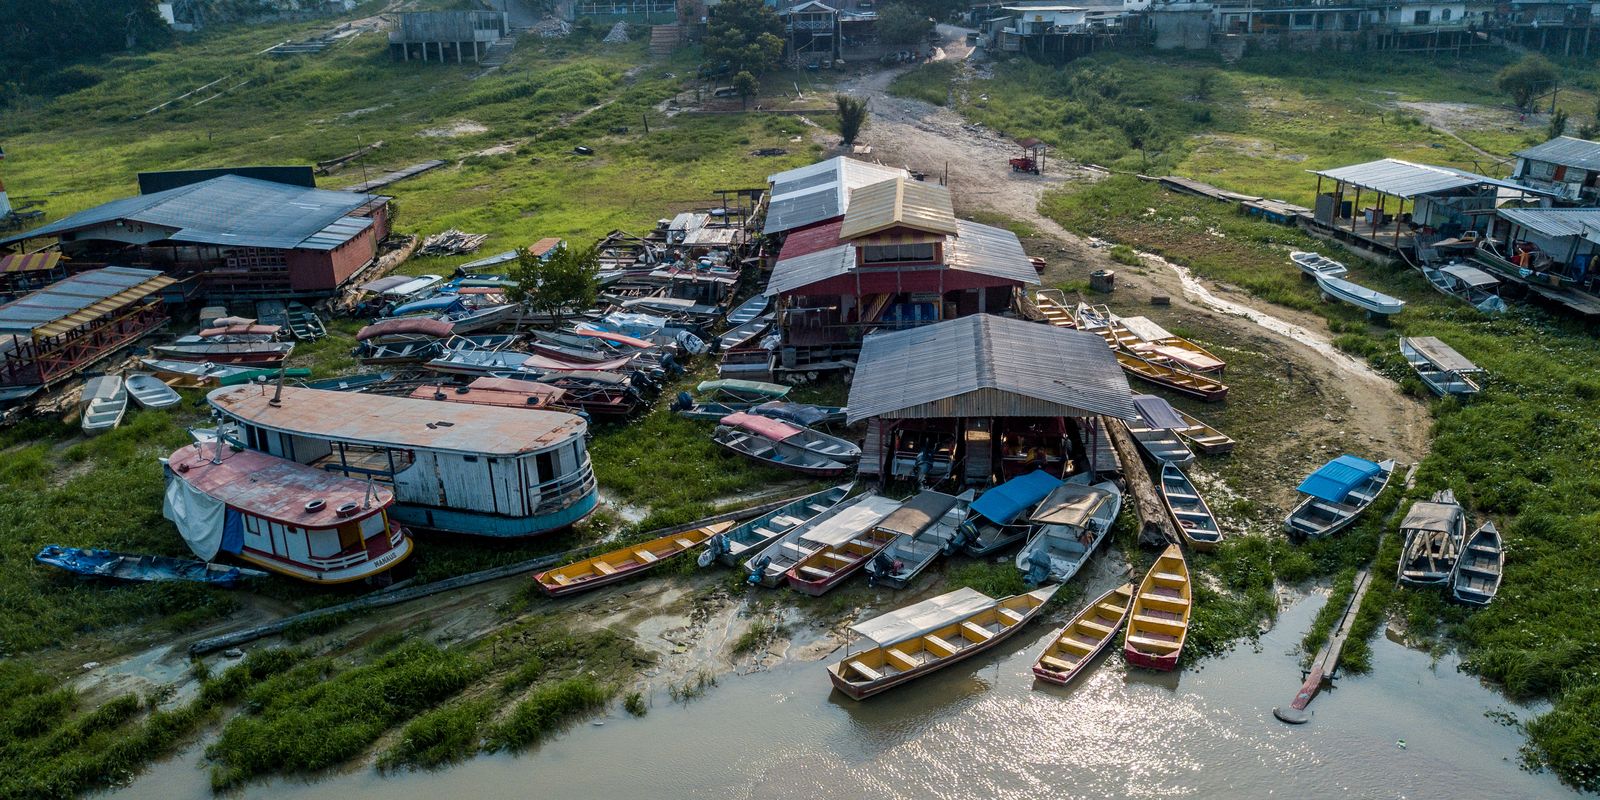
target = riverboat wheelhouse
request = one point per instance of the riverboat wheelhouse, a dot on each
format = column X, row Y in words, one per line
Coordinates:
column 285, row 517
column 453, row 467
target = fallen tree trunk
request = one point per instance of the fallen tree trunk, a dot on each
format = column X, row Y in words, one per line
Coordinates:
column 1156, row 526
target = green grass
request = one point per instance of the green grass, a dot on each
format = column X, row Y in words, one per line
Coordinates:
column 547, row 710
column 930, row 83
column 440, row 737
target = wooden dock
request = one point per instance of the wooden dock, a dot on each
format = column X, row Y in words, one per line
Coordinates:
column 392, row 177
column 1326, row 664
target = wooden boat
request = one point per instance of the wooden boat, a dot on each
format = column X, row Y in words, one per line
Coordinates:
column 748, row 310
column 930, row 635
column 503, row 392
column 1193, row 384
column 543, row 362
column 1443, row 370
column 196, row 374
column 142, row 568
column 924, row 527
column 105, row 400
column 304, row 323
column 1336, row 494
column 997, row 519
column 290, row 518
column 1149, row 340
column 600, row 394
column 769, row 566
column 624, row 563
column 1478, row 572
column 748, row 391
column 754, row 535
column 1316, row 264
column 1369, row 300
column 1433, row 531
column 831, row 564
column 252, row 353
column 789, row 436
column 1068, row 526
column 1052, row 306
column 1086, row 636
column 241, row 330
column 149, row 391
column 1159, row 620
column 1189, row 510
column 1202, row 437
column 1156, row 431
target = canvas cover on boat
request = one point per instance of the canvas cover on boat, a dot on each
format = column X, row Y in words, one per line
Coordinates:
column 1440, row 354
column 1472, row 276
column 749, row 387
column 774, row 429
column 1334, row 480
column 417, row 326
column 1426, row 515
column 1158, row 413
column 203, row 521
column 444, row 302
column 852, row 521
column 798, row 413
column 1009, row 500
column 1070, row 504
column 1146, row 329
column 924, row 617
column 918, row 513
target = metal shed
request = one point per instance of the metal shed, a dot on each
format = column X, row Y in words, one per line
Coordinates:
column 811, row 194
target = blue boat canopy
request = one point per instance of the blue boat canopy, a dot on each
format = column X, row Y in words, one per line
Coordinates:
column 1334, row 480
column 1006, row 502
column 444, row 302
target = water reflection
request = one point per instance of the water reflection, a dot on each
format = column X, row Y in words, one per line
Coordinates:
column 985, row 729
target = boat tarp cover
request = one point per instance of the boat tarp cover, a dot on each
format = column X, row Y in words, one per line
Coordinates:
column 1334, row 480
column 619, row 338
column 419, row 326
column 1429, row 516
column 204, row 522
column 1442, row 355
column 1009, row 500
column 918, row 513
column 798, row 413
column 774, row 429
column 1145, row 328
column 1472, row 276
column 924, row 617
column 537, row 361
column 386, row 283
column 749, row 387
column 852, row 521
column 1158, row 413
column 1070, row 504
column 444, row 302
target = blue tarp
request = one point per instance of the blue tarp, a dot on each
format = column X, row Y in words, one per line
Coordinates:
column 448, row 302
column 232, row 532
column 1009, row 500
column 1334, row 480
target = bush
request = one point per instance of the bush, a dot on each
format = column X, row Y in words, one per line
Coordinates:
column 546, row 711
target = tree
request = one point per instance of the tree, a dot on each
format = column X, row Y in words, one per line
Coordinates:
column 1526, row 79
column 1558, row 123
column 747, row 86
column 899, row 23
column 746, row 34
column 568, row 281
column 852, row 116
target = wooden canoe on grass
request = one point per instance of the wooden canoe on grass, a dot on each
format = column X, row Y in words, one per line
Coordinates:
column 1193, row 384
column 1159, row 620
column 1204, row 438
column 624, row 563
column 1477, row 574
column 930, row 640
column 1053, row 306
column 832, row 564
column 1086, row 636
column 1189, row 510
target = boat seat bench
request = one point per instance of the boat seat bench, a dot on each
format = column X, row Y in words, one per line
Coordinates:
column 603, row 568
column 865, row 671
column 1159, row 598
column 816, row 574
column 976, row 633
column 647, row 557
column 897, row 657
column 1007, row 613
column 939, row 645
column 1054, row 663
column 1142, row 641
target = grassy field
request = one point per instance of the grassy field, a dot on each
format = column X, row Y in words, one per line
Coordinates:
column 1521, row 453
column 1255, row 126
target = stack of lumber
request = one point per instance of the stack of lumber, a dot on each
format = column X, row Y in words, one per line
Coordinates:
column 451, row 243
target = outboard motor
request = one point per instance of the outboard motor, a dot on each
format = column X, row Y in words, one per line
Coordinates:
column 1038, row 568
column 669, row 364
column 881, row 565
column 760, row 567
column 965, row 532
column 683, row 402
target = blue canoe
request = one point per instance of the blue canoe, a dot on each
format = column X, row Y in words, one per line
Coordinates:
column 131, row 567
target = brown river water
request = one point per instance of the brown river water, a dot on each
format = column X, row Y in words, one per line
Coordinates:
column 984, row 729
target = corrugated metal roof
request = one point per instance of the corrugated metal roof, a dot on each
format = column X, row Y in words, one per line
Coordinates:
column 1568, row 151
column 983, row 249
column 811, row 240
column 229, row 210
column 1554, row 221
column 30, row 262
column 78, row 299
column 899, row 202
column 385, row 421
column 990, row 251
column 1403, row 178
column 987, row 366
column 337, row 233
column 820, row 191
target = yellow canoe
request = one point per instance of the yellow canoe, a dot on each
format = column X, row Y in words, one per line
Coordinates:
column 620, row 564
column 1160, row 615
column 1095, row 627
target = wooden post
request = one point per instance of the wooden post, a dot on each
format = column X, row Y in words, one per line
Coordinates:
column 1397, row 215
column 1355, row 208
column 1147, row 500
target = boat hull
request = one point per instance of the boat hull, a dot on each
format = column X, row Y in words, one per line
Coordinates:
column 493, row 526
column 1048, row 675
column 821, row 586
column 356, row 572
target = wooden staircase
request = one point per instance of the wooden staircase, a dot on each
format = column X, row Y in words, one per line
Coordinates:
column 665, row 38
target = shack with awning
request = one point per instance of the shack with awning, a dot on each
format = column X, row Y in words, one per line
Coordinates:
column 65, row 328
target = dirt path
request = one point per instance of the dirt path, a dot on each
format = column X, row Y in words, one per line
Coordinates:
column 1358, row 403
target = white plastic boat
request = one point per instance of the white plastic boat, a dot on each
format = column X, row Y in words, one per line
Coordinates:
column 150, row 392
column 1069, row 524
column 1370, row 300
column 105, row 400
column 1317, row 265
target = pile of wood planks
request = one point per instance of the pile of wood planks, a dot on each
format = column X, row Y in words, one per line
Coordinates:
column 451, row 243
